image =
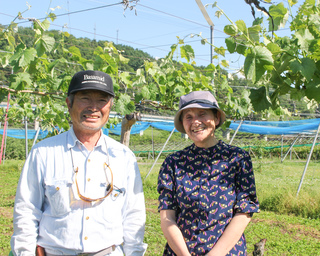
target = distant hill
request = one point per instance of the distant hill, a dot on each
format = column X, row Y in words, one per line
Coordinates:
column 86, row 46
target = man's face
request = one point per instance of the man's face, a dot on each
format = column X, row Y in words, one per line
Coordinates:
column 89, row 111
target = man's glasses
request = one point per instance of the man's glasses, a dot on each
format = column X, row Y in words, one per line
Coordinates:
column 109, row 189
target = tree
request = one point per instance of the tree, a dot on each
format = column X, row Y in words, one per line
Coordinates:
column 276, row 66
column 39, row 82
column 279, row 65
column 42, row 69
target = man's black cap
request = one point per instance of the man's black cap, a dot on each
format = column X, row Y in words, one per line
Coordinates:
column 91, row 80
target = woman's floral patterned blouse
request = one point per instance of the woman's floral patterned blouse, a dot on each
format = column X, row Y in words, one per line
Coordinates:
column 206, row 188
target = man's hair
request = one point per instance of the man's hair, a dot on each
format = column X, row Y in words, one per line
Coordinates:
column 71, row 99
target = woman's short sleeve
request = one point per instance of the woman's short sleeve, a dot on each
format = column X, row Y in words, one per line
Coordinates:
column 247, row 201
column 166, row 186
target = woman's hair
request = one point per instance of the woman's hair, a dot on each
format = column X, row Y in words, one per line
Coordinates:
column 215, row 111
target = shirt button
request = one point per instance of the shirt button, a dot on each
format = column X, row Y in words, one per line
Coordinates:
column 87, row 217
column 89, row 160
column 89, row 179
column 85, row 238
column 57, row 188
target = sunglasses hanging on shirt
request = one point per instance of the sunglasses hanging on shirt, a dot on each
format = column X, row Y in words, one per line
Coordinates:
column 108, row 189
column 110, row 186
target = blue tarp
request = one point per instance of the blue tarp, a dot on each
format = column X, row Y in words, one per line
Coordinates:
column 277, row 128
column 21, row 134
column 257, row 127
column 164, row 126
column 141, row 126
column 135, row 129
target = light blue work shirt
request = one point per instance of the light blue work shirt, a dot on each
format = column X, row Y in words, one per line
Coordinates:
column 48, row 211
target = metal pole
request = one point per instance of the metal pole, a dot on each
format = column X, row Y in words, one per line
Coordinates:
column 234, row 135
column 26, row 134
column 152, row 144
column 281, row 145
column 5, row 127
column 207, row 18
column 5, row 145
column 289, row 150
column 36, row 136
column 308, row 160
column 211, row 48
column 160, row 153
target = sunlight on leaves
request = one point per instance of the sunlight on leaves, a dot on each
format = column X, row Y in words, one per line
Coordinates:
column 259, row 100
column 256, row 61
column 280, row 16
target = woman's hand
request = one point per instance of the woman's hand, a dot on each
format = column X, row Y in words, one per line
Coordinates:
column 231, row 235
column 172, row 233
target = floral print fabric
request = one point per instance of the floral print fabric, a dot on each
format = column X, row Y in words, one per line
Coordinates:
column 206, row 188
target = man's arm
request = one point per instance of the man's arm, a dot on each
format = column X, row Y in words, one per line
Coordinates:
column 27, row 209
column 172, row 233
column 134, row 214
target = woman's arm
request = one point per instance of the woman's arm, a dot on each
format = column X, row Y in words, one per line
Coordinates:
column 172, row 233
column 231, row 235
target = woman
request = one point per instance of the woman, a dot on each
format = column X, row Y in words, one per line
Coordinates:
column 207, row 190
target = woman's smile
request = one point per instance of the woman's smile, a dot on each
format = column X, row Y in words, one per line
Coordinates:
column 198, row 129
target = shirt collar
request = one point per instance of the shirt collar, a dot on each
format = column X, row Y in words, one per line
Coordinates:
column 72, row 140
column 206, row 151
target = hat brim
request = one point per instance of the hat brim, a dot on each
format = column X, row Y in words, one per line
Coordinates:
column 178, row 123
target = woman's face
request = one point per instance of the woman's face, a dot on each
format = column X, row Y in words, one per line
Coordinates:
column 200, row 125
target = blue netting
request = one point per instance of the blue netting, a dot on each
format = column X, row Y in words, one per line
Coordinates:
column 277, row 128
column 164, row 126
column 20, row 133
column 141, row 126
column 135, row 129
column 105, row 131
column 257, row 127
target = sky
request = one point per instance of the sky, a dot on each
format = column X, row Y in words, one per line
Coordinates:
column 152, row 26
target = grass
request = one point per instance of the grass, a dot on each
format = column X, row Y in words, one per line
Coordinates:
column 9, row 173
column 289, row 223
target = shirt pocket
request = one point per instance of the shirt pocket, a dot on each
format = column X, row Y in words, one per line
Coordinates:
column 59, row 193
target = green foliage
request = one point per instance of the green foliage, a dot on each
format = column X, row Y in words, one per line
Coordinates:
column 15, row 149
column 277, row 185
column 34, row 76
column 279, row 65
column 155, row 135
column 286, row 203
column 39, row 85
column 300, row 151
column 276, row 66
column 136, row 57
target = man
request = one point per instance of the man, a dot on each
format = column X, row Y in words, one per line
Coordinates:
column 80, row 192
